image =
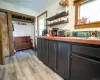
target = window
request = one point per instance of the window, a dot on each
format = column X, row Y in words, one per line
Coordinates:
column 42, row 23
column 87, row 13
column 90, row 10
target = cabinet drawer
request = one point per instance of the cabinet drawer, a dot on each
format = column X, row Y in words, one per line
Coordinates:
column 85, row 50
column 84, row 69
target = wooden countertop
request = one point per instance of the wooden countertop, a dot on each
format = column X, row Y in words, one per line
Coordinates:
column 73, row 39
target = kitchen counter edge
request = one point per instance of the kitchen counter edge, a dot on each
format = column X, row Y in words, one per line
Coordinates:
column 72, row 39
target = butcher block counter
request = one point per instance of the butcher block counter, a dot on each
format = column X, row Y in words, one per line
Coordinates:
column 73, row 58
column 73, row 39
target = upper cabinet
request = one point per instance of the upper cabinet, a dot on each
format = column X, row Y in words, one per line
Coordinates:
column 87, row 13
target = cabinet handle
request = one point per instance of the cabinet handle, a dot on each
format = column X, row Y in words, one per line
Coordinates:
column 59, row 46
column 55, row 54
column 71, row 56
column 59, row 49
column 54, row 47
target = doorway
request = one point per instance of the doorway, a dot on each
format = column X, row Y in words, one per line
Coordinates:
column 41, row 23
column 7, row 47
column 23, row 35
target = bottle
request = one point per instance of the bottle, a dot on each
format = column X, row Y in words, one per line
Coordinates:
column 50, row 31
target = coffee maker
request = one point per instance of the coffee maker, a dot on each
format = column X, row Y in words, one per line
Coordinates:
column 55, row 31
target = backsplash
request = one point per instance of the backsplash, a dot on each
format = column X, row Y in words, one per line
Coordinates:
column 86, row 33
column 81, row 33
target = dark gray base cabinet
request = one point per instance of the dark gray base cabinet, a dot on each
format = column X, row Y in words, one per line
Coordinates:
column 52, row 52
column 85, row 62
column 55, row 55
column 63, row 59
column 39, row 49
column 44, row 51
column 84, row 68
column 72, row 61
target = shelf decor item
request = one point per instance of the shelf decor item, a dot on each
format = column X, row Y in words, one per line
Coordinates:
column 64, row 3
column 76, row 0
column 83, row 21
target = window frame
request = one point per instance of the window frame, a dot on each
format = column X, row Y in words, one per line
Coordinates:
column 45, row 12
column 81, row 26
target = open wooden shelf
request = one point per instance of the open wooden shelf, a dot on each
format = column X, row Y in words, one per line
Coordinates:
column 57, row 23
column 22, row 20
column 59, row 15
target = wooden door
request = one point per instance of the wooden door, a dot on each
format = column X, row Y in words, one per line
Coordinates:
column 4, row 36
column 63, row 60
column 1, row 48
column 52, row 54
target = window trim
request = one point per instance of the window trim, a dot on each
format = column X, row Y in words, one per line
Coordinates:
column 90, row 25
column 45, row 12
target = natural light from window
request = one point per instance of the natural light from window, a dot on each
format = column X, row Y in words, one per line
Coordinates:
column 90, row 10
column 42, row 25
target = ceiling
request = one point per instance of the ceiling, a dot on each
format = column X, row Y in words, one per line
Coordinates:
column 35, row 5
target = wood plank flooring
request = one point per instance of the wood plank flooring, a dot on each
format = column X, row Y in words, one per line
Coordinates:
column 26, row 66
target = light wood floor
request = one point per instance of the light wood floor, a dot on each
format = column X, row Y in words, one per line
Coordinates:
column 26, row 66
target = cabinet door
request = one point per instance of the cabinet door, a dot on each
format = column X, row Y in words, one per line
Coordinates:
column 63, row 60
column 39, row 49
column 52, row 54
column 45, row 51
column 84, row 68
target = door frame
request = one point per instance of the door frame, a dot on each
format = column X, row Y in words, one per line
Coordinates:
column 10, row 29
column 45, row 12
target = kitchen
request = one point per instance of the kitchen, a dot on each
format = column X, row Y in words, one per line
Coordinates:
column 66, row 41
column 72, row 52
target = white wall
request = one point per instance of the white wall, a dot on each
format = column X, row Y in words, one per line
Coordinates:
column 12, row 7
column 16, row 8
column 23, row 30
column 55, row 8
